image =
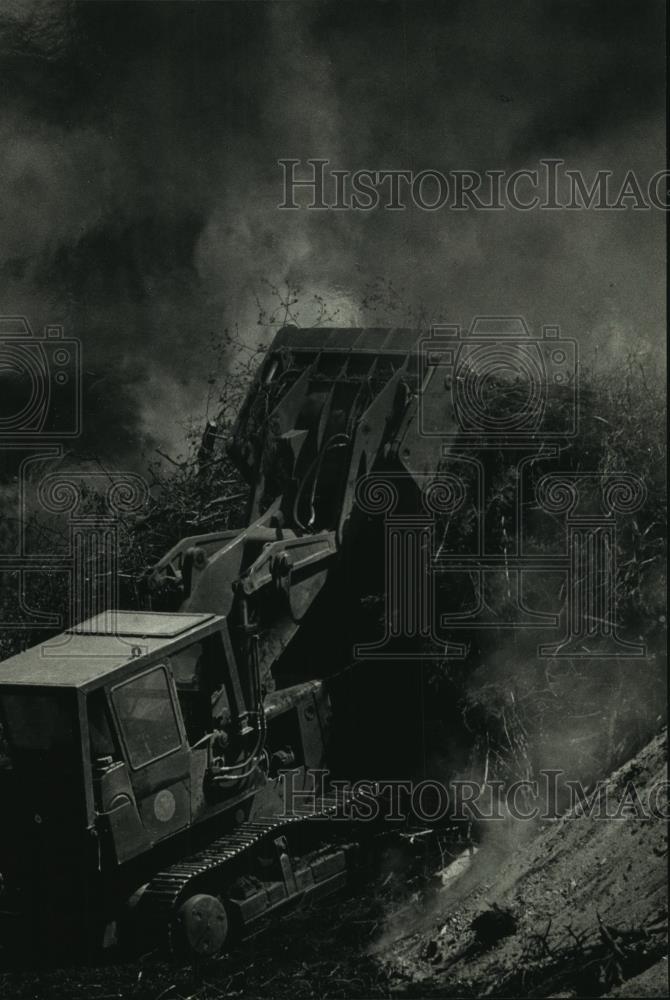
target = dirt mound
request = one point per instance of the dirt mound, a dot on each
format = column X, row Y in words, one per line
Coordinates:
column 578, row 910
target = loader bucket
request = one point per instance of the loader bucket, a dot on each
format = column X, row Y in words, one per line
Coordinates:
column 324, row 402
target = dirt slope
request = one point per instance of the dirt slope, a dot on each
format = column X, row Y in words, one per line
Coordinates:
column 578, row 911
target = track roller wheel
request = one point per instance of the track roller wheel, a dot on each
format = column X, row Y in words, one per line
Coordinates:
column 202, row 925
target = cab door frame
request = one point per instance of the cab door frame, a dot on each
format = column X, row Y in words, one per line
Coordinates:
column 161, row 784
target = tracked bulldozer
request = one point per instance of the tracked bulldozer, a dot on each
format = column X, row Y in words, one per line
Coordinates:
column 144, row 752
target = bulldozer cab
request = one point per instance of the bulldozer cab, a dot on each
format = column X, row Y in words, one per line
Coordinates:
column 111, row 732
column 118, row 749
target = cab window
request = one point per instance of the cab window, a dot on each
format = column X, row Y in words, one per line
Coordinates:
column 147, row 717
column 202, row 696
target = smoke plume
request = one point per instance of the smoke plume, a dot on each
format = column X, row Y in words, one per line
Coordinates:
column 140, row 180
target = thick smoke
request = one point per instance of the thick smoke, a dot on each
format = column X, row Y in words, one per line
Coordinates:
column 140, row 182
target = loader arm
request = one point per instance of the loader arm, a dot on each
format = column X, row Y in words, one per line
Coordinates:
column 325, row 408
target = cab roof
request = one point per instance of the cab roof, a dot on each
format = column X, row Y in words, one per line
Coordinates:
column 94, row 651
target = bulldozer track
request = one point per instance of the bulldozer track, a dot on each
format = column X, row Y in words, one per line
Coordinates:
column 169, row 887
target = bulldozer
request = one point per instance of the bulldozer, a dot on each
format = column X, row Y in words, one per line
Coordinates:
column 144, row 752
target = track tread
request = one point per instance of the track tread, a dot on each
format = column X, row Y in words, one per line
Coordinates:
column 168, row 886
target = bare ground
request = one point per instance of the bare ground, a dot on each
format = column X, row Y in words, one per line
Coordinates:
column 581, row 910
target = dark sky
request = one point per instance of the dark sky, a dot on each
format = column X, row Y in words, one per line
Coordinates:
column 138, row 203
